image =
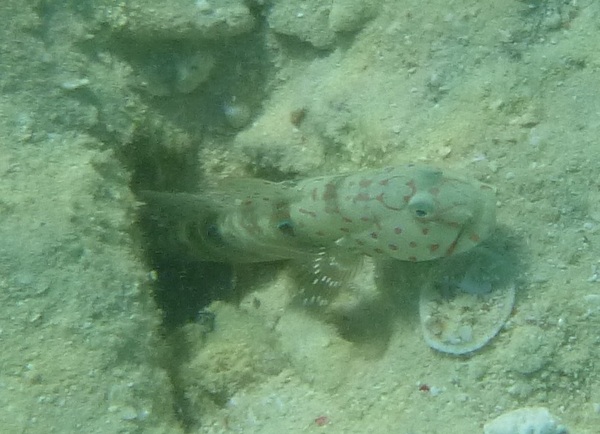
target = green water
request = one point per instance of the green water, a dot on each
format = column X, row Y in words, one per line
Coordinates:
column 107, row 327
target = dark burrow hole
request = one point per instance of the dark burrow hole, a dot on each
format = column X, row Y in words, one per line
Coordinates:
column 163, row 157
column 184, row 285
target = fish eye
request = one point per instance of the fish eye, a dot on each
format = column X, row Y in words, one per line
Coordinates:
column 286, row 227
column 199, row 234
column 421, row 205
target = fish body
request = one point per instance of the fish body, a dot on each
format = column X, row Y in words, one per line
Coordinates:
column 410, row 213
column 326, row 225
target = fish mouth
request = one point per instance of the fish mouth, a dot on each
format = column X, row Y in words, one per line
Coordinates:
column 454, row 244
column 478, row 227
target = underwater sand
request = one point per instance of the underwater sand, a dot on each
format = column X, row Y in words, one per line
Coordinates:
column 100, row 330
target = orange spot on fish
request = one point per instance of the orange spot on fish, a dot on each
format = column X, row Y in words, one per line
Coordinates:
column 330, row 192
column 313, row 194
column 362, row 197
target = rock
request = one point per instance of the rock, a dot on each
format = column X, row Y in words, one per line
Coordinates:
column 150, row 20
column 317, row 22
column 308, row 21
column 350, row 15
column 526, row 420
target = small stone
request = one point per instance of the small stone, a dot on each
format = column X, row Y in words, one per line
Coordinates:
column 74, row 84
column 128, row 413
column 203, row 6
column 444, row 151
column 526, row 420
column 237, row 114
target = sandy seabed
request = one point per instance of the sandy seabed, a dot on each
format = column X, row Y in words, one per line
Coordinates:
column 102, row 99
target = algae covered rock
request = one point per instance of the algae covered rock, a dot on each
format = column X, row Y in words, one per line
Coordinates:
column 239, row 353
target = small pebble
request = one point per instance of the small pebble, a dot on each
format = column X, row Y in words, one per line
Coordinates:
column 526, row 420
column 128, row 413
column 237, row 114
column 75, row 83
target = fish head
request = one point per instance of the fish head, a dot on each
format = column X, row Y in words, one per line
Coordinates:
column 427, row 213
column 455, row 213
